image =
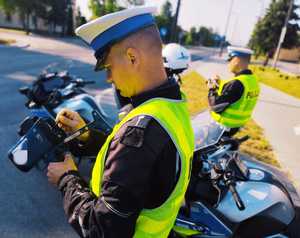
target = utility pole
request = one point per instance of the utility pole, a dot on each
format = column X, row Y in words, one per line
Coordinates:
column 226, row 29
column 283, row 33
column 235, row 25
column 174, row 22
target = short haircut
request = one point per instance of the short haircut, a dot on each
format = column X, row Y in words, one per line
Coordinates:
column 246, row 58
column 147, row 38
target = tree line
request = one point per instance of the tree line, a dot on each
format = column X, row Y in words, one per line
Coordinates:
column 57, row 12
column 263, row 40
column 267, row 30
column 195, row 36
column 53, row 12
column 60, row 13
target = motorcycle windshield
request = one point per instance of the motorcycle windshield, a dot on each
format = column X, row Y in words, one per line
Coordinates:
column 58, row 67
column 207, row 132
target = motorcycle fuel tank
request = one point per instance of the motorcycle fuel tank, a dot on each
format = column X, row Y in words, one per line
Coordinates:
column 257, row 197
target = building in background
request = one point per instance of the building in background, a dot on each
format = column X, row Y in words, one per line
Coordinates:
column 36, row 24
column 291, row 55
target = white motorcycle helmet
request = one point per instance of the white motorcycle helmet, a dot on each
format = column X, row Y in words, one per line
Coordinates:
column 176, row 58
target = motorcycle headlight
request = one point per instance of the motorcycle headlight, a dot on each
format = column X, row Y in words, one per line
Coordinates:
column 19, row 155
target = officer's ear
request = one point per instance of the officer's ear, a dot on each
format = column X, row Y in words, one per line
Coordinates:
column 133, row 56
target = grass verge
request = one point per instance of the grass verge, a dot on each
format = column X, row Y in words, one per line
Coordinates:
column 193, row 85
column 7, row 41
column 17, row 31
column 274, row 78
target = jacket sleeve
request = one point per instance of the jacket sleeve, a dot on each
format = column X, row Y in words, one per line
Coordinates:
column 128, row 166
column 232, row 92
column 95, row 217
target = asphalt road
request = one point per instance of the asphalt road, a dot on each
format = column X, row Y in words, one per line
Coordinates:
column 29, row 205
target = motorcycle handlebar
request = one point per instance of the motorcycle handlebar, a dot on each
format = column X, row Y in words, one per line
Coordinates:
column 89, row 82
column 234, row 142
column 24, row 90
column 82, row 83
column 238, row 201
column 243, row 139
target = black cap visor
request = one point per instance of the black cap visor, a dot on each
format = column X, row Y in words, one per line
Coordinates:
column 101, row 58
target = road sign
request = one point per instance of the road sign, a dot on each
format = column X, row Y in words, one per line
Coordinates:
column 163, row 31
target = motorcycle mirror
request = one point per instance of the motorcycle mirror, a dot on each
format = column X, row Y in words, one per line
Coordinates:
column 24, row 90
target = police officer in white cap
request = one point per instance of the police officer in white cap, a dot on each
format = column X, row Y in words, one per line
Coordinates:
column 142, row 171
column 176, row 60
column 232, row 101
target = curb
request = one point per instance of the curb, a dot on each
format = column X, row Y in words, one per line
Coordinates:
column 22, row 46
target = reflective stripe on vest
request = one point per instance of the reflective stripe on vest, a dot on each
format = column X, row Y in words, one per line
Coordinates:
column 173, row 116
column 239, row 113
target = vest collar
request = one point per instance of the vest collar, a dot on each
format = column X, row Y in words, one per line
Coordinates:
column 245, row 71
column 169, row 90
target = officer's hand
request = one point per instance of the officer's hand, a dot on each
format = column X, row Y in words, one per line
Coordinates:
column 216, row 78
column 213, row 83
column 210, row 84
column 70, row 122
column 56, row 170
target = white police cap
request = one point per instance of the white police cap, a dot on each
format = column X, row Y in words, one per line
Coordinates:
column 105, row 31
column 239, row 52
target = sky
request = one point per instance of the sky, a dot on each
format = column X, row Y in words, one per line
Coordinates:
column 214, row 14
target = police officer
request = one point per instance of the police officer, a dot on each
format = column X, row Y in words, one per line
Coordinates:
column 142, row 171
column 232, row 101
column 176, row 60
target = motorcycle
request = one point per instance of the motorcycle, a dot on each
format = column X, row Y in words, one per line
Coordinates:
column 50, row 93
column 233, row 195
column 55, row 90
column 230, row 194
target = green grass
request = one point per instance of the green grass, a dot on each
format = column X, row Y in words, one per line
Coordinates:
column 6, row 41
column 286, row 83
column 194, row 86
column 17, row 31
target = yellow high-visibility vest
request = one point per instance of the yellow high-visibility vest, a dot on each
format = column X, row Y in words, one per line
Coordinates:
column 173, row 116
column 238, row 113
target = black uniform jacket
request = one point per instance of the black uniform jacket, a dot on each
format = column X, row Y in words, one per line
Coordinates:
column 141, row 170
column 231, row 93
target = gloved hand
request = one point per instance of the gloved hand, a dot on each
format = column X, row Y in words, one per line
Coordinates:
column 70, row 122
column 213, row 83
column 57, row 169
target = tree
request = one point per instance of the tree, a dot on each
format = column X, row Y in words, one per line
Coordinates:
column 100, row 8
column 54, row 12
column 207, row 37
column 8, row 6
column 79, row 20
column 203, row 36
column 26, row 8
column 111, row 6
column 136, row 2
column 267, row 30
column 96, row 8
column 167, row 10
column 164, row 20
column 188, row 39
column 192, row 36
column 174, row 33
column 70, row 20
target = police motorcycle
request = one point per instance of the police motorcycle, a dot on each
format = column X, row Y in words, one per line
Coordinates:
column 233, row 195
column 56, row 89
column 41, row 140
